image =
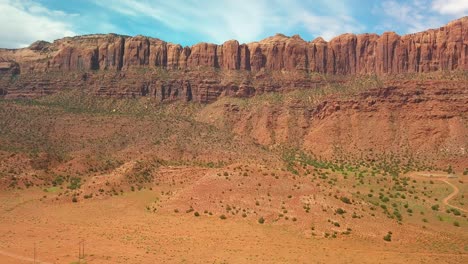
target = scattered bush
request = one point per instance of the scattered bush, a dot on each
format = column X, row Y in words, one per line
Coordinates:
column 454, row 211
column 75, row 183
column 388, row 237
column 340, row 211
column 58, row 181
column 345, row 200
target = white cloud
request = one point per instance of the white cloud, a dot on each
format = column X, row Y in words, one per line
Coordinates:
column 24, row 22
column 334, row 25
column 407, row 16
column 417, row 15
column 336, row 21
column 451, row 7
column 244, row 20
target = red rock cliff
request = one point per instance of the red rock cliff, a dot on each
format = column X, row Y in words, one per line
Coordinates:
column 442, row 49
column 445, row 48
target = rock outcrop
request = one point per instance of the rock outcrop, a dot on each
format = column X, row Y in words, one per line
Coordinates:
column 424, row 117
column 442, row 49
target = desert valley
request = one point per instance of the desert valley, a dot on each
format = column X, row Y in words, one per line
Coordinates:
column 119, row 149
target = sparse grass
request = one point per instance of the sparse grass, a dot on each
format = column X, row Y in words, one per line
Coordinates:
column 52, row 189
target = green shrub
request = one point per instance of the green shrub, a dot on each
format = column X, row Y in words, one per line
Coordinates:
column 75, row 183
column 223, row 217
column 454, row 211
column 384, row 199
column 345, row 200
column 340, row 211
column 435, row 207
column 450, row 169
column 388, row 237
column 261, row 220
column 58, row 181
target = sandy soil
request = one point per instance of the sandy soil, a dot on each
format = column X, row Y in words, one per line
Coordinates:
column 120, row 230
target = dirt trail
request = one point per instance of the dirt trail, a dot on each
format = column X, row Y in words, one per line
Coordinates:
column 453, row 194
column 19, row 257
column 443, row 177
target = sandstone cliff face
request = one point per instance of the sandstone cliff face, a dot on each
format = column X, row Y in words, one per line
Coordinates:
column 425, row 118
column 442, row 49
column 445, row 48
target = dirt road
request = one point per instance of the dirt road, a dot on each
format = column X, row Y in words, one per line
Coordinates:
column 443, row 178
column 450, row 196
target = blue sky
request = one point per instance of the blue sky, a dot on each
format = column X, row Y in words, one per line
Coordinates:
column 190, row 21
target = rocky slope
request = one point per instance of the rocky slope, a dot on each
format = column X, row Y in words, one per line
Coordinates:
column 141, row 66
column 420, row 118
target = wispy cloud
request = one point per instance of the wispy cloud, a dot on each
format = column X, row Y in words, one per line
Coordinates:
column 244, row 20
column 24, row 22
column 191, row 21
column 451, row 7
column 406, row 17
column 417, row 15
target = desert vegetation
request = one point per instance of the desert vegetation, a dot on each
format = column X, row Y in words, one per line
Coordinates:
column 177, row 162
